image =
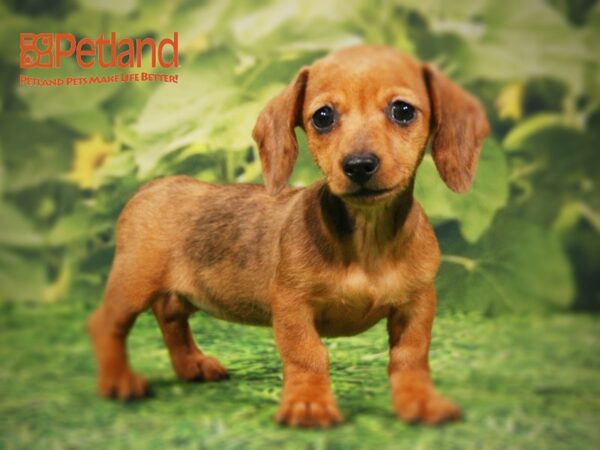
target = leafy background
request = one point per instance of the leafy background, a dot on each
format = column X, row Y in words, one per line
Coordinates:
column 524, row 241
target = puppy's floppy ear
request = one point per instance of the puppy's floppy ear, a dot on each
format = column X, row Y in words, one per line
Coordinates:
column 459, row 125
column 274, row 133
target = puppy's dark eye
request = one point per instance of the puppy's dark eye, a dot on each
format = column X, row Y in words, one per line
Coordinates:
column 323, row 119
column 402, row 112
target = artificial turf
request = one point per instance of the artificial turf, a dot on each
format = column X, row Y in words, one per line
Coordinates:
column 525, row 382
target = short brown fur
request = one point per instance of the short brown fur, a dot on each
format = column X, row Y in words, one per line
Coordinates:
column 319, row 261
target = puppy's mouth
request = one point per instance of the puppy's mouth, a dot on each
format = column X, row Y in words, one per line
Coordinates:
column 369, row 194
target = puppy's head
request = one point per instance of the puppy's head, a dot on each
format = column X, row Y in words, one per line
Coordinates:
column 369, row 112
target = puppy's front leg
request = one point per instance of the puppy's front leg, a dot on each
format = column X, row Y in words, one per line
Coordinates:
column 307, row 398
column 413, row 394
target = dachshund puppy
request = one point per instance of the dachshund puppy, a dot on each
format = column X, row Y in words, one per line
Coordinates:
column 332, row 259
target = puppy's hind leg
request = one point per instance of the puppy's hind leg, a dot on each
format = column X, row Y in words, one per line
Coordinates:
column 172, row 314
column 125, row 298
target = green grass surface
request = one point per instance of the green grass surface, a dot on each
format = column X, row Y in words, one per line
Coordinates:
column 524, row 382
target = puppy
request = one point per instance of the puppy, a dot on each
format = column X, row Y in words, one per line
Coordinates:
column 332, row 259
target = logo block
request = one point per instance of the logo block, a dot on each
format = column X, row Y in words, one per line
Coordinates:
column 36, row 50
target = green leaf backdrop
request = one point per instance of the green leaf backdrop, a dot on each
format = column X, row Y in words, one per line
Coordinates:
column 524, row 239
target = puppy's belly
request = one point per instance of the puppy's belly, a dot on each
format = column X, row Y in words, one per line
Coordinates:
column 244, row 311
column 332, row 318
column 230, row 293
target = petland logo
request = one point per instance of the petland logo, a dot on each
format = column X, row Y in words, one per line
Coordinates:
column 49, row 50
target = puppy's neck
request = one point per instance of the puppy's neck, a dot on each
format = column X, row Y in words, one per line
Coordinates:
column 365, row 233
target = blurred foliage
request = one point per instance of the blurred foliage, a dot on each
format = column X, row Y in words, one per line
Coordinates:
column 525, row 238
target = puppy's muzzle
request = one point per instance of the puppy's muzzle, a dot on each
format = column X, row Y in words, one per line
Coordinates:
column 360, row 168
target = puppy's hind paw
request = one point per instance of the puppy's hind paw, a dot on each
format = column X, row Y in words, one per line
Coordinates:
column 202, row 368
column 425, row 405
column 125, row 386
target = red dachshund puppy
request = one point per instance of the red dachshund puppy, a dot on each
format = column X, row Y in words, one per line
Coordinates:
column 332, row 259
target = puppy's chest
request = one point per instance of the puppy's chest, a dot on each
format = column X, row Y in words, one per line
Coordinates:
column 354, row 300
column 357, row 288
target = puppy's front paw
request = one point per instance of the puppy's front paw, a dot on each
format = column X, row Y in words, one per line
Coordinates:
column 305, row 409
column 124, row 385
column 201, row 368
column 420, row 402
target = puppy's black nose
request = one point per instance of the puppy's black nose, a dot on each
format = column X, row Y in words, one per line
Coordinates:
column 360, row 168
